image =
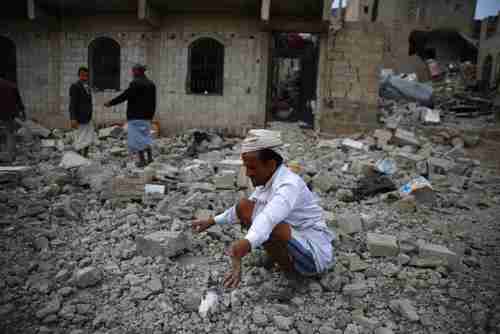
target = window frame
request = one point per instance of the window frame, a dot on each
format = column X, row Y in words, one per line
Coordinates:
column 94, row 45
column 219, row 66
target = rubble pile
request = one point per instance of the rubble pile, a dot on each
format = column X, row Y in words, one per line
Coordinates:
column 451, row 100
column 87, row 249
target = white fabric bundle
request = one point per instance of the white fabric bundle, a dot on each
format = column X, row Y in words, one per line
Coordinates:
column 260, row 139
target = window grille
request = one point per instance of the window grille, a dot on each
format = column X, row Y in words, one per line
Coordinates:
column 206, row 67
column 104, row 59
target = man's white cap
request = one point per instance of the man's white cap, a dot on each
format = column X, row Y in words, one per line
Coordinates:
column 260, row 139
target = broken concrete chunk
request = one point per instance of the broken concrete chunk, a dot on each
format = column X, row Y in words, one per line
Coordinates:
column 437, row 253
column 350, row 223
column 73, row 160
column 225, row 179
column 354, row 144
column 441, row 166
column 51, row 307
column 88, row 276
column 405, row 308
column 209, row 304
column 355, row 290
column 382, row 244
column 430, row 116
column 113, row 131
column 403, row 137
column 383, row 137
column 162, row 243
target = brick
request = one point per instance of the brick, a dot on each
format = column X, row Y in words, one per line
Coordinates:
column 382, row 245
column 441, row 166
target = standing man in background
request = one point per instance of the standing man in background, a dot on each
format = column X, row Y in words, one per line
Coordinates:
column 12, row 107
column 141, row 107
column 80, row 110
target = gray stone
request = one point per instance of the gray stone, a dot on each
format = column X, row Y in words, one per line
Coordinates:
column 438, row 254
column 50, row 308
column 324, row 182
column 440, row 166
column 41, row 243
column 382, row 244
column 191, row 300
column 113, row 131
column 405, row 308
column 383, row 330
column 365, row 322
column 345, row 195
column 368, row 221
column 403, row 137
column 74, row 160
column 163, row 243
column 259, row 317
column 226, row 179
column 87, row 277
column 356, row 289
column 155, row 285
column 383, row 137
column 283, row 323
column 349, row 223
column 356, row 264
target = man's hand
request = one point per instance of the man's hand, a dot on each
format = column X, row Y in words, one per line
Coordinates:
column 233, row 278
column 239, row 248
column 74, row 124
column 107, row 105
column 201, row 225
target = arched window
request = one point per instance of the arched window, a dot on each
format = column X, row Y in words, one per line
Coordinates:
column 206, row 67
column 8, row 62
column 104, row 64
column 486, row 71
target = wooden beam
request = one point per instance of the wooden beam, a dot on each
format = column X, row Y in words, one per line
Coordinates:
column 265, row 11
column 327, row 9
column 148, row 14
column 34, row 11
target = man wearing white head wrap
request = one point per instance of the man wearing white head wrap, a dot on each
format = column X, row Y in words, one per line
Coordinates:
column 282, row 214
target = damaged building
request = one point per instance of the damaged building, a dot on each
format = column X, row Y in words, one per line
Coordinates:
column 234, row 65
column 488, row 70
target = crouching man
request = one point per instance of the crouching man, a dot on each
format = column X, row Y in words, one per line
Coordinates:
column 282, row 215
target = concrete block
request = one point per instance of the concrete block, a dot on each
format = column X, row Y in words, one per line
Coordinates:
column 383, row 137
column 88, row 276
column 403, row 137
column 225, row 179
column 113, row 131
column 355, row 290
column 405, row 308
column 350, row 223
column 441, row 166
column 438, row 254
column 162, row 243
column 354, row 144
column 382, row 244
column 73, row 160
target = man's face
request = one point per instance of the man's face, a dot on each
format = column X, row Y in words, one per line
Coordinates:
column 258, row 171
column 84, row 76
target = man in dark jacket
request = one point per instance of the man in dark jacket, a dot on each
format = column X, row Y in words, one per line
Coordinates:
column 80, row 111
column 12, row 107
column 141, row 107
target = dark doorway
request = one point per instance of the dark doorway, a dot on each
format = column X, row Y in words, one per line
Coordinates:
column 8, row 62
column 293, row 77
column 104, row 59
column 486, row 73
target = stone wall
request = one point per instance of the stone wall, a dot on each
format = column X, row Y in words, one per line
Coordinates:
column 350, row 84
